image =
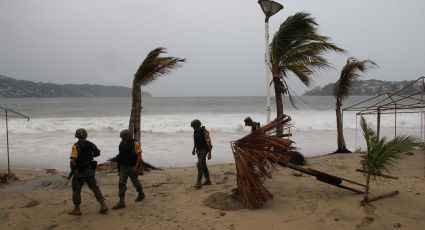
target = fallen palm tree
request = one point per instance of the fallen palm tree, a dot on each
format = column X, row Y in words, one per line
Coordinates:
column 257, row 154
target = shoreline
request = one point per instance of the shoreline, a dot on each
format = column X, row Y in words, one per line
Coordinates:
column 300, row 201
column 24, row 167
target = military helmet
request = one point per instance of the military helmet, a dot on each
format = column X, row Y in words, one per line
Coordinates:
column 248, row 121
column 195, row 123
column 126, row 134
column 81, row 133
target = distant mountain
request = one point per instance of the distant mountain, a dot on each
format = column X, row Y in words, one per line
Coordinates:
column 10, row 87
column 368, row 88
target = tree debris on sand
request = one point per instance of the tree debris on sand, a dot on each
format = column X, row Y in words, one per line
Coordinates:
column 111, row 166
column 3, row 177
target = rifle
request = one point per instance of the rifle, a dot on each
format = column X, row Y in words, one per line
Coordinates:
column 70, row 174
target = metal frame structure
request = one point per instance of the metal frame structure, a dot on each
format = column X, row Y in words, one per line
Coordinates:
column 393, row 103
column 6, row 112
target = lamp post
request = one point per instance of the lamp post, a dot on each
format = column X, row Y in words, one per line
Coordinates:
column 269, row 8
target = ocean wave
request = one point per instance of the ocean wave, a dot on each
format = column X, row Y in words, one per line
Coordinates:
column 229, row 123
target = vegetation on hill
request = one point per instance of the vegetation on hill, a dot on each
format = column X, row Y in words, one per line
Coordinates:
column 10, row 87
column 367, row 88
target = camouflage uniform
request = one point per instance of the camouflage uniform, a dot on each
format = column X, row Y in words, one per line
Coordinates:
column 202, row 147
column 124, row 174
column 128, row 158
column 78, row 180
column 84, row 167
column 202, row 163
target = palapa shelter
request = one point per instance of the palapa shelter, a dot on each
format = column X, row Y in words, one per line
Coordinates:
column 7, row 113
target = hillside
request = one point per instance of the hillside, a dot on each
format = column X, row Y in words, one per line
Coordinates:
column 368, row 88
column 10, row 87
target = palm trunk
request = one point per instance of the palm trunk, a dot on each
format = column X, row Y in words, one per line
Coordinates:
column 340, row 132
column 136, row 108
column 278, row 86
column 135, row 124
column 366, row 194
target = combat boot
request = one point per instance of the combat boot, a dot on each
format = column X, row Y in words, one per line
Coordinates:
column 119, row 205
column 207, row 182
column 103, row 208
column 140, row 197
column 75, row 211
column 198, row 184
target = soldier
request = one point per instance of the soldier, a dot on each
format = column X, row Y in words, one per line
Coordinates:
column 202, row 147
column 254, row 125
column 129, row 158
column 83, row 167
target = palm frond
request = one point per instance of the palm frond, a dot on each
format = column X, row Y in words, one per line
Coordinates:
column 383, row 154
column 368, row 133
column 349, row 75
column 291, row 98
column 154, row 66
column 298, row 48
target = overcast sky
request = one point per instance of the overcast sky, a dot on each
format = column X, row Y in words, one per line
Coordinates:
column 104, row 41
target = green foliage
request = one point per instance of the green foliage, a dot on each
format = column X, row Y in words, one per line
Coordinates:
column 298, row 48
column 383, row 154
column 154, row 66
column 349, row 76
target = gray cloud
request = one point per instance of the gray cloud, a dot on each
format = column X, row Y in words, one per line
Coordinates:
column 104, row 41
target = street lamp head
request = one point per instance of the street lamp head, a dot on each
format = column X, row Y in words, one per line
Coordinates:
column 270, row 8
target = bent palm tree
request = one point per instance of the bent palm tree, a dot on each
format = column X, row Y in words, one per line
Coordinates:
column 382, row 154
column 297, row 48
column 151, row 68
column 342, row 89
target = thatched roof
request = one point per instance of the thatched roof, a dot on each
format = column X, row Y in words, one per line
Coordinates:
column 256, row 154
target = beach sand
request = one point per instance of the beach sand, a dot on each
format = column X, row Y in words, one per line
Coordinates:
column 40, row 200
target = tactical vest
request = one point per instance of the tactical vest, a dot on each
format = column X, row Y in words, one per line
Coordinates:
column 85, row 156
column 127, row 155
column 199, row 139
column 255, row 126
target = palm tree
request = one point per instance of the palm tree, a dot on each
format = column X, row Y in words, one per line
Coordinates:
column 383, row 154
column 152, row 67
column 342, row 89
column 297, row 48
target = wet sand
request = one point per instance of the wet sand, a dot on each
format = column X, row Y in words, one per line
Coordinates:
column 41, row 200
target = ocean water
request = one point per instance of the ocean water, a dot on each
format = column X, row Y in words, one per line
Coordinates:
column 45, row 141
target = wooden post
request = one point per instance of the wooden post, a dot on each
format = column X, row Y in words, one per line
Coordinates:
column 356, row 132
column 395, row 120
column 378, row 123
column 7, row 146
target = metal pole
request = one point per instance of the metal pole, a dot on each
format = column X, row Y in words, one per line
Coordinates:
column 395, row 120
column 356, row 133
column 7, row 144
column 267, row 62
